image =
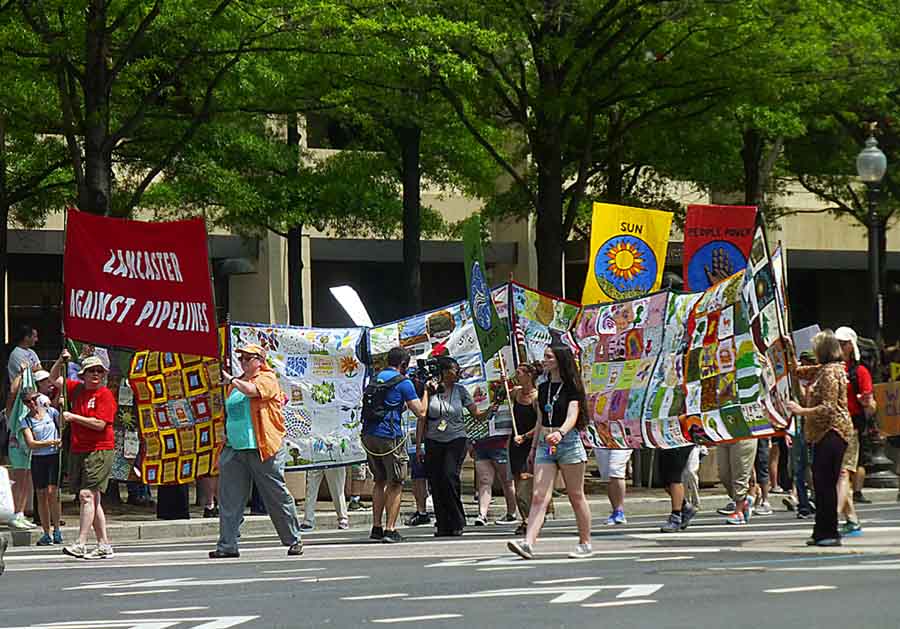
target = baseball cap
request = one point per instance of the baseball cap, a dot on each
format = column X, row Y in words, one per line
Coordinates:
column 848, row 335
column 41, row 375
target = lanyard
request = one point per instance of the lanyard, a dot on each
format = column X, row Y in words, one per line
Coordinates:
column 550, row 405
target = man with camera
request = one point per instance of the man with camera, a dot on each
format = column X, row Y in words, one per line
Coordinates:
column 384, row 441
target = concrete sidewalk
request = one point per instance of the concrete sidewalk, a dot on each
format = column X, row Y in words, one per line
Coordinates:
column 639, row 501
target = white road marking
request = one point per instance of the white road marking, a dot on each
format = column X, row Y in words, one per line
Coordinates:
column 140, row 592
column 373, row 597
column 633, row 601
column 505, row 568
column 571, row 594
column 805, row 588
column 165, row 610
column 208, row 622
column 867, row 567
column 321, row 579
column 416, row 618
column 655, row 559
column 510, row 559
column 193, row 581
column 571, row 580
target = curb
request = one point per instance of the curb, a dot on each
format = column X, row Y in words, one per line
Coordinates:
column 326, row 519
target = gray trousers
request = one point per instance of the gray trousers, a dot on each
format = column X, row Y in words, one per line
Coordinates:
column 237, row 468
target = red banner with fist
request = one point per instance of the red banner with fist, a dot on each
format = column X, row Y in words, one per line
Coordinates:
column 717, row 240
column 138, row 284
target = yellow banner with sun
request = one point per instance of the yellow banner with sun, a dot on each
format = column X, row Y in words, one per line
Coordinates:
column 628, row 252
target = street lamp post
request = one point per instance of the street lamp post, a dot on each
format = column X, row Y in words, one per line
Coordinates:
column 871, row 164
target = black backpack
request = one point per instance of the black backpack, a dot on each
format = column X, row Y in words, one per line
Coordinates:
column 374, row 407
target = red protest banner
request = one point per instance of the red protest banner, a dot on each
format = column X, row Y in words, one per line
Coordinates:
column 138, row 284
column 717, row 240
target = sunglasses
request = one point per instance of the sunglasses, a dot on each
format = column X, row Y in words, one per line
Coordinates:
column 244, row 357
column 31, row 400
column 95, row 370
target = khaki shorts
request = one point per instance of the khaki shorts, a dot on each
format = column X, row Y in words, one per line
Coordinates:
column 90, row 470
column 851, row 454
column 387, row 458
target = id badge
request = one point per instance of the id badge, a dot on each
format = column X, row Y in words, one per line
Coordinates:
column 442, row 425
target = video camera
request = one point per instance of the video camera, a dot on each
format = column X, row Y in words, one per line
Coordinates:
column 428, row 369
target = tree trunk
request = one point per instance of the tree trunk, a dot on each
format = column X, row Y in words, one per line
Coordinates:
column 96, row 197
column 549, row 238
column 295, row 241
column 615, row 187
column 4, row 223
column 410, row 140
column 751, row 155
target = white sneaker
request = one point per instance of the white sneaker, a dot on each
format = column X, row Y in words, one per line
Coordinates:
column 521, row 548
column 75, row 550
column 102, row 551
column 763, row 508
column 582, row 551
column 20, row 523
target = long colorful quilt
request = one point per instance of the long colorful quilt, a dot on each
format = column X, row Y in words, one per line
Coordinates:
column 452, row 328
column 538, row 321
column 322, row 374
column 620, row 343
column 180, row 414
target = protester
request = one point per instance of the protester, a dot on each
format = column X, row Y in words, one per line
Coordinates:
column 419, row 476
column 861, row 406
column 336, row 477
column 761, row 504
column 672, row 463
column 829, row 428
column 92, row 449
column 799, row 450
column 557, row 446
column 42, row 436
column 736, row 461
column 48, row 394
column 525, row 416
column 208, row 486
column 492, row 461
column 690, row 477
column 255, row 451
column 19, row 455
column 87, row 350
column 442, row 432
column 613, row 465
column 20, row 350
column 385, row 443
column 359, row 472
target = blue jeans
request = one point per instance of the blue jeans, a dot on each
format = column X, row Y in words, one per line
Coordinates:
column 237, row 469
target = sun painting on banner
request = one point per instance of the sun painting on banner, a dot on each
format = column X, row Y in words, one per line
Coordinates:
column 624, row 261
column 625, row 267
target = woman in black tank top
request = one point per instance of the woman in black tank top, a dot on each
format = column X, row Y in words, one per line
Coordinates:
column 525, row 416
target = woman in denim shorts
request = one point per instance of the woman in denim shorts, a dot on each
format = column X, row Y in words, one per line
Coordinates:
column 557, row 446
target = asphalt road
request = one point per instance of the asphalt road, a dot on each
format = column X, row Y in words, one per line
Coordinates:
column 712, row 575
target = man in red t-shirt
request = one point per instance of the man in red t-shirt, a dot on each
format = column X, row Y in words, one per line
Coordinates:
column 92, row 449
column 860, row 405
